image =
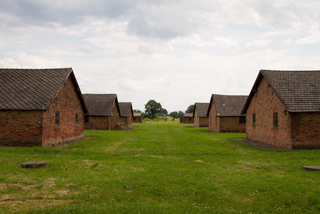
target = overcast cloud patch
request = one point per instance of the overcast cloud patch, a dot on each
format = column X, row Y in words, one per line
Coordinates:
column 176, row 52
column 66, row 13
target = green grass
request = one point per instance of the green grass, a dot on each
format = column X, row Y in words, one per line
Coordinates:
column 159, row 167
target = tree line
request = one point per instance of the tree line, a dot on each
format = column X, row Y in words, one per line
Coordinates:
column 153, row 109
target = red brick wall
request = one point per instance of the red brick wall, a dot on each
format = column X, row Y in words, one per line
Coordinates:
column 214, row 123
column 20, row 128
column 231, row 124
column 137, row 120
column 114, row 113
column 264, row 103
column 200, row 121
column 68, row 104
column 115, row 110
column 224, row 124
column 305, row 130
column 187, row 120
column 196, row 119
column 203, row 121
column 103, row 123
column 98, row 123
column 127, row 120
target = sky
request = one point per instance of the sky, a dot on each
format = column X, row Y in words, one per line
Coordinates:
column 176, row 52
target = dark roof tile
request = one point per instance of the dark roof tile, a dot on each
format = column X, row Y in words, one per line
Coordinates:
column 125, row 109
column 299, row 91
column 32, row 89
column 188, row 115
column 228, row 105
column 100, row 104
column 201, row 108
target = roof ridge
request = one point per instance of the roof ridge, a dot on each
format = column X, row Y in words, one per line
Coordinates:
column 35, row 68
column 290, row 70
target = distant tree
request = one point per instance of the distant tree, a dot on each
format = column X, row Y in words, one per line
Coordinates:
column 174, row 114
column 181, row 114
column 144, row 115
column 190, row 109
column 152, row 108
column 164, row 111
column 136, row 111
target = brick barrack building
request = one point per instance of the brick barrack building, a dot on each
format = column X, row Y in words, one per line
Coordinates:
column 187, row 118
column 126, row 112
column 200, row 114
column 283, row 109
column 137, row 117
column 225, row 113
column 102, row 111
column 40, row 107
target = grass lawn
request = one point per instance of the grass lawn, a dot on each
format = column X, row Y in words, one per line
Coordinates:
column 159, row 167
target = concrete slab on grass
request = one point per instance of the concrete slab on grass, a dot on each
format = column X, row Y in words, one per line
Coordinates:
column 312, row 168
column 34, row 164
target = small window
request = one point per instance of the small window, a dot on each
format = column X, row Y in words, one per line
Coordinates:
column 253, row 119
column 134, row 118
column 242, row 119
column 57, row 118
column 77, row 119
column 189, row 119
column 86, row 118
column 275, row 120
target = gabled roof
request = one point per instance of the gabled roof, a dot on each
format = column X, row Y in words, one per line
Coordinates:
column 188, row 115
column 299, row 91
column 33, row 89
column 125, row 109
column 227, row 105
column 100, row 104
column 201, row 108
column 137, row 114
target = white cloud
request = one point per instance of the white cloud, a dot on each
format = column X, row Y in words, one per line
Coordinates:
column 313, row 39
column 313, row 36
column 70, row 31
column 176, row 52
column 130, row 85
column 259, row 44
column 8, row 63
column 224, row 42
column 288, row 41
column 23, row 60
column 145, row 49
column 151, row 22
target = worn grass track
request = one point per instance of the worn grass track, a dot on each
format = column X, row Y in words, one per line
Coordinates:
column 160, row 167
